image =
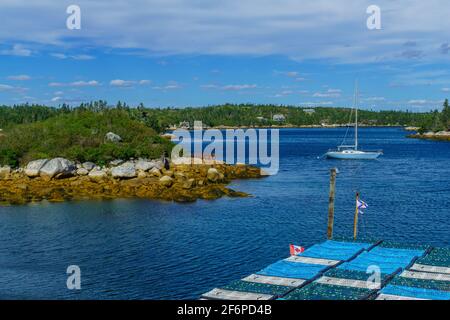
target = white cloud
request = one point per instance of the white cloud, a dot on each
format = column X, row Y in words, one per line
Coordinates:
column 290, row 74
column 375, row 99
column 172, row 85
column 9, row 88
column 20, row 77
column 121, row 83
column 256, row 27
column 128, row 83
column 63, row 56
column 229, row 87
column 424, row 102
column 6, row 87
column 91, row 83
column 410, row 77
column 445, row 89
column 330, row 93
column 312, row 104
column 59, row 55
column 237, row 87
column 82, row 57
column 17, row 50
column 209, row 86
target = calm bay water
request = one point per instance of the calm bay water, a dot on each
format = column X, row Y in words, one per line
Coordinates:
column 139, row 249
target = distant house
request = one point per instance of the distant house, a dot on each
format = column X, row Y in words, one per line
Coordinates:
column 184, row 125
column 309, row 111
column 279, row 117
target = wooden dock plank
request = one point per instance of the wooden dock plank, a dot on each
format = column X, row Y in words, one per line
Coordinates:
column 425, row 275
column 383, row 296
column 428, row 268
column 347, row 283
column 222, row 294
column 322, row 262
column 279, row 281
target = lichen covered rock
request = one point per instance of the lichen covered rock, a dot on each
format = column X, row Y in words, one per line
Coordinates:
column 33, row 168
column 5, row 172
column 57, row 168
column 126, row 170
column 18, row 188
column 166, row 181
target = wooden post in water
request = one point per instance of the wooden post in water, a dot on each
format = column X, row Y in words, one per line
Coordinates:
column 355, row 220
column 331, row 203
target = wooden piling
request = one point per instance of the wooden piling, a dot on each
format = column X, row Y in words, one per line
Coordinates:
column 333, row 174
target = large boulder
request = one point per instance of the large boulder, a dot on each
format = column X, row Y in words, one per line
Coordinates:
column 155, row 172
column 168, row 173
column 97, row 175
column 5, row 171
column 179, row 176
column 116, row 162
column 141, row 174
column 33, row 168
column 126, row 170
column 213, row 175
column 57, row 168
column 159, row 164
column 166, row 181
column 82, row 172
column 88, row 165
column 144, row 165
column 112, row 137
column 188, row 184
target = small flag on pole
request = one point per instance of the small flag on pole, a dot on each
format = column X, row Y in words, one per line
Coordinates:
column 361, row 205
column 295, row 250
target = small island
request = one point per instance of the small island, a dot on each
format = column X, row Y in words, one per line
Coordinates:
column 59, row 179
column 103, row 153
column 436, row 127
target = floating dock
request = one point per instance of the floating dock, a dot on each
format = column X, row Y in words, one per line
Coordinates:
column 348, row 270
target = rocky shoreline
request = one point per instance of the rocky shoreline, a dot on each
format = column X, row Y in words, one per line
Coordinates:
column 59, row 179
column 440, row 136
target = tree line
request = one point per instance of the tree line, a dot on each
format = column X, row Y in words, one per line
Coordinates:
column 250, row 115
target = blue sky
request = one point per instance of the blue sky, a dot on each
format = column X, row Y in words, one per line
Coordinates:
column 202, row 52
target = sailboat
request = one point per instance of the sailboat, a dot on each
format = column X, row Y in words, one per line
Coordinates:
column 351, row 151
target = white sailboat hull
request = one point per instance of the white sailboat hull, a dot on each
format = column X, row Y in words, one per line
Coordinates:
column 352, row 155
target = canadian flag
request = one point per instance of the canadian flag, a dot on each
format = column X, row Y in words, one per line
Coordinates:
column 295, row 250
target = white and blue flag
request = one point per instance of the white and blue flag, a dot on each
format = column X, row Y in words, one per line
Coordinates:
column 361, row 205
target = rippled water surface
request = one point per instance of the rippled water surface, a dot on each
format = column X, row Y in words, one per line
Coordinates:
column 139, row 249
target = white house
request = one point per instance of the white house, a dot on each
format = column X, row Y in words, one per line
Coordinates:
column 279, row 117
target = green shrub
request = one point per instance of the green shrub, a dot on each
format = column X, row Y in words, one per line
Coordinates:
column 80, row 136
column 8, row 157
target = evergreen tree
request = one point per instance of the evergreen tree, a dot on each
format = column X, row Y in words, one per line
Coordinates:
column 445, row 116
column 437, row 122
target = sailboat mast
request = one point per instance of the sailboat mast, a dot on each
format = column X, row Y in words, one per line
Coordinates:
column 356, row 115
